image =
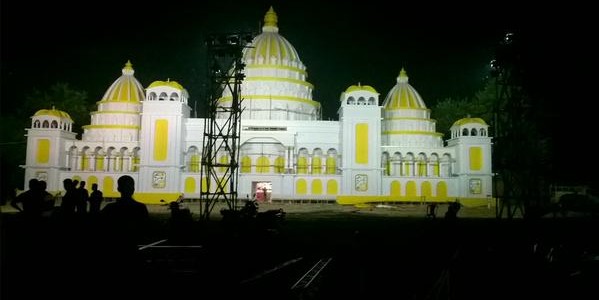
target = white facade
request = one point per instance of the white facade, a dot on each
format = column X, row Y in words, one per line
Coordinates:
column 388, row 152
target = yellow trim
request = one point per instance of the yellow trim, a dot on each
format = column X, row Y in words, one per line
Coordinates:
column 169, row 83
column 422, row 170
column 362, row 143
column 270, row 18
column 135, row 163
column 269, row 78
column 124, row 91
column 412, row 132
column 302, row 165
column 262, row 165
column 115, row 112
column 99, row 162
column 404, row 109
column 161, row 140
column 90, row 181
column 476, row 158
column 436, row 169
column 411, row 119
column 43, row 151
column 441, row 189
column 223, row 160
column 395, row 188
column 280, row 165
column 190, row 185
column 108, row 188
column 154, row 198
column 301, row 187
column 407, row 169
column 194, row 163
column 426, row 190
column 246, row 164
column 467, row 202
column 85, row 162
column 411, row 189
column 316, row 187
column 332, row 187
column 53, row 113
column 316, row 165
column 331, row 165
column 204, row 185
column 269, row 66
column 465, row 121
column 272, row 97
column 111, row 127
column 353, row 88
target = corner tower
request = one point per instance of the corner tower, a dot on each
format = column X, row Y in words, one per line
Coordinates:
column 162, row 136
column 360, row 133
column 470, row 138
column 46, row 139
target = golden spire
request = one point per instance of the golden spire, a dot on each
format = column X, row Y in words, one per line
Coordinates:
column 128, row 65
column 270, row 19
column 403, row 76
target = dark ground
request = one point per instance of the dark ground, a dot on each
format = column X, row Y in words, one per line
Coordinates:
column 372, row 257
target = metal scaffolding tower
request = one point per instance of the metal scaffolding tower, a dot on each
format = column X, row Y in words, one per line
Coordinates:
column 222, row 125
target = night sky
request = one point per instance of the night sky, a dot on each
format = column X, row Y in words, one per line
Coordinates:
column 445, row 48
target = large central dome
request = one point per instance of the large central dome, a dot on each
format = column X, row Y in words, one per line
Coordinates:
column 275, row 86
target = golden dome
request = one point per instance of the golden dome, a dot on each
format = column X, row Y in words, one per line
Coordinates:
column 465, row 121
column 359, row 87
column 169, row 83
column 403, row 95
column 270, row 44
column 53, row 113
column 126, row 88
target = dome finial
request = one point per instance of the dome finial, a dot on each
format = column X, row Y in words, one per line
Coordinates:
column 271, row 19
column 403, row 75
column 128, row 69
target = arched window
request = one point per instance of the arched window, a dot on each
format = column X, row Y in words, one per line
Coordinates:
column 473, row 132
column 483, row 132
column 371, row 101
column 54, row 124
column 174, row 97
column 36, row 124
column 465, row 132
column 45, row 124
column 152, row 96
column 162, row 97
column 351, row 101
column 361, row 101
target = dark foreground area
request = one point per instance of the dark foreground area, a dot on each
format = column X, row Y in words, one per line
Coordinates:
column 352, row 256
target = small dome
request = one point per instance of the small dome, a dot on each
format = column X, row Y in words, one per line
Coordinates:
column 403, row 95
column 168, row 83
column 269, row 44
column 465, row 121
column 126, row 88
column 359, row 87
column 53, row 113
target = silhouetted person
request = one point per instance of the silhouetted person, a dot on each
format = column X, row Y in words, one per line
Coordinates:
column 31, row 200
column 452, row 210
column 95, row 200
column 124, row 223
column 82, row 198
column 47, row 198
column 69, row 200
column 431, row 210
